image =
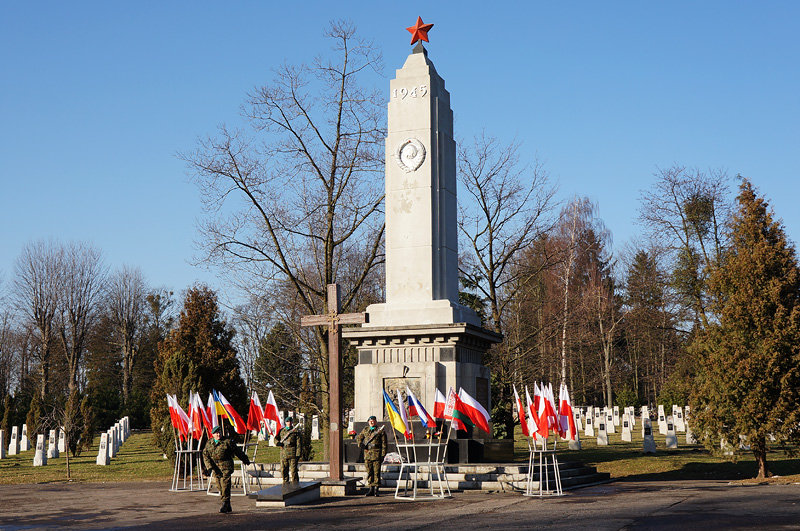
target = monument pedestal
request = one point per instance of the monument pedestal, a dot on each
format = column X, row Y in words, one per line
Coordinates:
column 422, row 357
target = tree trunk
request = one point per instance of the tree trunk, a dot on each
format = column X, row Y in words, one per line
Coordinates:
column 760, row 453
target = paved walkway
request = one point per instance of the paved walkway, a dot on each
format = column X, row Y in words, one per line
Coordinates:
column 620, row 505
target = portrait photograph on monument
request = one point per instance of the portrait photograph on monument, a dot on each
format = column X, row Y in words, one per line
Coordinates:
column 344, row 266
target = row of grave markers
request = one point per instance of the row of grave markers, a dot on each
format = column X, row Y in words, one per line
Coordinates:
column 111, row 441
column 351, row 416
column 606, row 420
column 18, row 444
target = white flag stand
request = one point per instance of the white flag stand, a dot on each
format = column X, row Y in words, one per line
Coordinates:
column 543, row 460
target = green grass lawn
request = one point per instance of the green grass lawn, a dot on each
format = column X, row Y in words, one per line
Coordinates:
column 691, row 462
column 139, row 460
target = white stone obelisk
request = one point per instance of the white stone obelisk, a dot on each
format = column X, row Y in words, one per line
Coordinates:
column 62, row 440
column 626, row 428
column 648, row 443
column 102, row 452
column 24, row 441
column 610, row 421
column 602, row 434
column 40, row 457
column 589, row 431
column 13, row 445
column 52, row 445
column 421, row 206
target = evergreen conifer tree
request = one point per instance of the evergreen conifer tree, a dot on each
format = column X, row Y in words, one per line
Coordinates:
column 749, row 378
column 198, row 355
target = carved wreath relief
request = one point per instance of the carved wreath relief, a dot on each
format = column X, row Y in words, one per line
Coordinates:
column 410, row 155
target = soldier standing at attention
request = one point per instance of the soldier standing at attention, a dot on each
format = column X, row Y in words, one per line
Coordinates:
column 373, row 440
column 218, row 456
column 287, row 440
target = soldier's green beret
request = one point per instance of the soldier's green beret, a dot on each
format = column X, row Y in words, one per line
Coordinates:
column 373, row 417
column 290, row 419
column 217, row 429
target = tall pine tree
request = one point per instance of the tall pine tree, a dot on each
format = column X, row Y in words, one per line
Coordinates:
column 749, row 380
column 197, row 356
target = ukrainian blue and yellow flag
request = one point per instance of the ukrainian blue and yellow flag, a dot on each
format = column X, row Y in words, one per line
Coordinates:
column 394, row 415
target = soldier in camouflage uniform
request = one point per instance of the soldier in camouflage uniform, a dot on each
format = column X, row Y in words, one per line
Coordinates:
column 287, row 439
column 218, row 457
column 373, row 440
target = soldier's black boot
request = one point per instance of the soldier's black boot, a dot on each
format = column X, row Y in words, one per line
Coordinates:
column 226, row 507
column 369, row 492
column 375, row 492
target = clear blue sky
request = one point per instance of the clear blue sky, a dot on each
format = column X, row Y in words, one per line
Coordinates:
column 96, row 99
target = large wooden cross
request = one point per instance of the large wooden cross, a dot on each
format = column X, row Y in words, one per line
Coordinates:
column 333, row 320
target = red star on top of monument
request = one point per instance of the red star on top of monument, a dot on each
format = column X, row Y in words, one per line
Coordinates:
column 419, row 31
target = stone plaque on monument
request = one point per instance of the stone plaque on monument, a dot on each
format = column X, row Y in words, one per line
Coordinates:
column 421, row 332
column 671, row 437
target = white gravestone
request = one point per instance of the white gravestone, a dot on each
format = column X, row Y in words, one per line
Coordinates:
column 626, row 428
column 632, row 416
column 2, row 444
column 690, row 438
column 24, row 441
column 645, row 412
column 122, row 435
column 13, row 445
column 127, row 427
column 112, row 446
column 671, row 437
column 602, row 435
column 62, row 440
column 662, row 421
column 102, row 452
column 649, row 444
column 610, row 421
column 40, row 457
column 726, row 448
column 576, row 444
column 616, row 416
column 743, row 443
column 301, row 420
column 680, row 424
column 589, row 431
column 315, row 428
column 52, row 445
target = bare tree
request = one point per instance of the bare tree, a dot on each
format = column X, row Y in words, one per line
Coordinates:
column 506, row 210
column 37, row 286
column 687, row 210
column 252, row 321
column 83, row 277
column 291, row 201
column 126, row 303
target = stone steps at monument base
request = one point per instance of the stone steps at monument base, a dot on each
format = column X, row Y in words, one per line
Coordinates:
column 502, row 478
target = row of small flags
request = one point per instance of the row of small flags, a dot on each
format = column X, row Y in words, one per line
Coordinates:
column 540, row 417
column 459, row 408
column 190, row 424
